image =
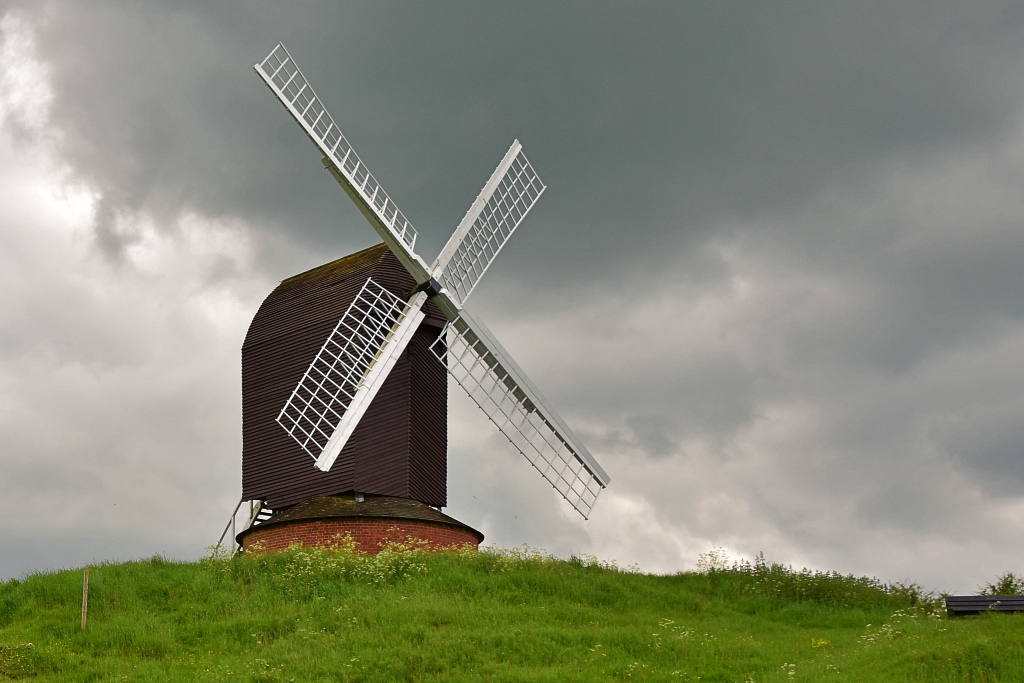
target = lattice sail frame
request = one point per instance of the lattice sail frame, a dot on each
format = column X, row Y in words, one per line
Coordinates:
column 285, row 79
column 505, row 402
column 507, row 197
column 329, row 396
column 319, row 402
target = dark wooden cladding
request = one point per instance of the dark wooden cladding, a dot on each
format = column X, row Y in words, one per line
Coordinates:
column 429, row 387
column 399, row 447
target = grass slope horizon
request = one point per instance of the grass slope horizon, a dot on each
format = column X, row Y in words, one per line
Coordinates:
column 497, row 615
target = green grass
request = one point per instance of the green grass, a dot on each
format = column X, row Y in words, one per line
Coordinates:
column 498, row 616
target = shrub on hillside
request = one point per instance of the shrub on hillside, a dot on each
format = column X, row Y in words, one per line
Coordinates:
column 1007, row 584
column 761, row 577
column 304, row 569
column 396, row 560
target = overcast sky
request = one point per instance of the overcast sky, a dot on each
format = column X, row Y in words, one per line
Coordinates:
column 775, row 282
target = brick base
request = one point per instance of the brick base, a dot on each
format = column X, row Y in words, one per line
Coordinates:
column 370, row 535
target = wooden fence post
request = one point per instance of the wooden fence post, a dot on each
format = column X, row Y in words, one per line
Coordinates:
column 85, row 595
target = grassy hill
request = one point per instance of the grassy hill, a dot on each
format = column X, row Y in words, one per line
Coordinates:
column 405, row 615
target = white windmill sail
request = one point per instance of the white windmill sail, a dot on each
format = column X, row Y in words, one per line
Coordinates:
column 280, row 72
column 339, row 385
column 481, row 366
column 506, row 198
column 349, row 369
column 321, row 415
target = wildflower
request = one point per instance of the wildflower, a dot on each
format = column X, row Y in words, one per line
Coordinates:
column 714, row 560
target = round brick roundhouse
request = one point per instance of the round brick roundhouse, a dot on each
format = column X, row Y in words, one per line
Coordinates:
column 372, row 523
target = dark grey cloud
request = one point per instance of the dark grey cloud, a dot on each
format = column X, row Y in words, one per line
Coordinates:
column 645, row 122
column 774, row 280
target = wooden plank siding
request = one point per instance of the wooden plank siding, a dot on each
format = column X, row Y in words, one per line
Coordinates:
column 399, row 447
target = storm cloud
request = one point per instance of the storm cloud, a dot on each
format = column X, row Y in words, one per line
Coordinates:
column 774, row 282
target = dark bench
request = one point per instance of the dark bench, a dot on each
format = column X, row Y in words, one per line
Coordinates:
column 957, row 605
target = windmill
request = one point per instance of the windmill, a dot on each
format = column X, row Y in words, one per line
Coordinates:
column 402, row 306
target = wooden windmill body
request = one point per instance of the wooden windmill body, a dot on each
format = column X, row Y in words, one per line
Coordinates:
column 400, row 446
column 395, row 461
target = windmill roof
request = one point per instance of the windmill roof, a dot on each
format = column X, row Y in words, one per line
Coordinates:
column 352, row 263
